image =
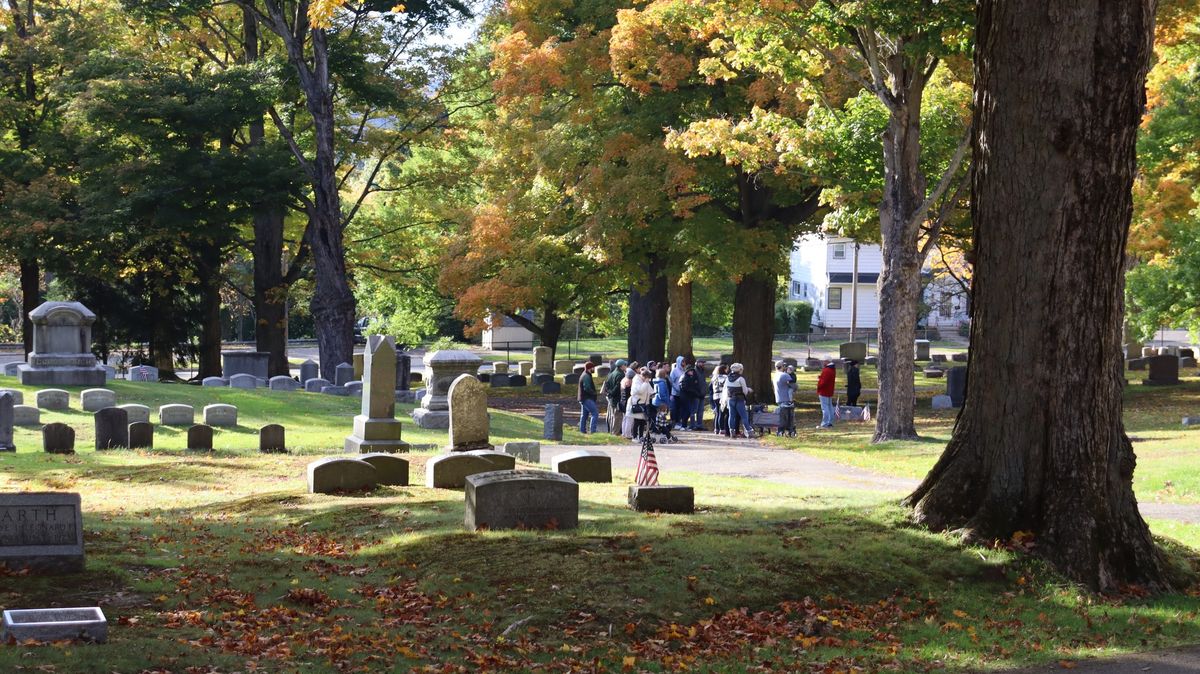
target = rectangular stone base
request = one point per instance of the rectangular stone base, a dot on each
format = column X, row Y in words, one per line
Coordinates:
column 376, row 429
column 662, row 498
column 56, row 624
column 49, row 565
column 427, row 419
column 61, row 376
column 357, row 445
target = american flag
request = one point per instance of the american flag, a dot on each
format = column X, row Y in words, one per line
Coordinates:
column 647, row 468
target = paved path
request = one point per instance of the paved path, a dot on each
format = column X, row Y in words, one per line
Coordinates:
column 1175, row 661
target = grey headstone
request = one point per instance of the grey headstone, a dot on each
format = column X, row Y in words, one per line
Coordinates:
column 530, row 452
column 26, row 415
column 543, row 360
column 141, row 435
column 271, row 439
column 577, row 369
column 552, row 388
column 922, row 349
column 10, row 369
column 1164, row 371
column 525, row 368
column 1187, row 361
column 663, row 498
column 6, row 422
column 337, row 474
column 309, row 370
column 176, row 414
column 136, row 412
column 570, row 380
column 934, row 373
column 938, row 358
column 853, row 351
column 200, row 437
column 525, row 499
column 343, row 373
column 539, row 379
column 873, row 361
column 214, row 381
column 389, row 468
column 220, row 414
column 58, row 438
column 403, row 371
column 376, row 428
column 449, row 471
column 517, row 380
column 603, row 371
column 1187, row 353
column 341, row 391
column 17, row 395
column 485, row 377
column 1191, row 421
column 283, row 383
column 253, row 363
column 110, row 373
column 62, row 347
column 243, row 381
column 552, row 423
column 584, row 465
column 49, row 625
column 956, row 385
column 499, row 380
column 54, row 544
column 960, row 357
column 95, row 399
column 1148, row 351
column 469, row 422
column 1138, row 363
column 53, row 399
column 596, row 358
column 356, row 388
column 143, row 373
column 112, row 428
column 315, row 384
column 942, row 402
column 500, row 368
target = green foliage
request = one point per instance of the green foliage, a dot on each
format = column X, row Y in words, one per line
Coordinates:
column 793, row 318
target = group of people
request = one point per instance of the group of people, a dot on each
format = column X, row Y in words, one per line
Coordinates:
column 676, row 396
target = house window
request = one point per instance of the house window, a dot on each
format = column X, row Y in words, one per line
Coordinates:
column 797, row 289
column 833, row 298
column 839, row 251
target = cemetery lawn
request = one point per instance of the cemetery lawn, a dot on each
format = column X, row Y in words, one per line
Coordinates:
column 223, row 563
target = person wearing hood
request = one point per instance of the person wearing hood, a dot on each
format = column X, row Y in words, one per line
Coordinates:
column 736, row 390
column 825, row 383
column 853, row 383
column 612, row 393
column 676, row 404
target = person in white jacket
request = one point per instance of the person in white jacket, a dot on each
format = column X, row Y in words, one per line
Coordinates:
column 640, row 395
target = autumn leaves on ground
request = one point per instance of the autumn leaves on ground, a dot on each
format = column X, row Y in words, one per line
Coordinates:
column 222, row 563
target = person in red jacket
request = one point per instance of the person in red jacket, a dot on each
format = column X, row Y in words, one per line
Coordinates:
column 825, row 384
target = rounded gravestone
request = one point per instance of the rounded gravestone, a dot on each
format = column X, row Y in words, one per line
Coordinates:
column 309, row 370
column 243, row 381
column 336, row 474
column 214, row 381
column 391, row 469
column 53, row 399
column 112, row 428
column 18, row 396
column 221, row 414
column 176, row 414
column 26, row 415
column 501, row 460
column 200, row 437
column 584, row 465
column 521, row 499
column 271, row 439
column 469, row 423
column 137, row 413
column 315, row 384
column 141, row 435
column 450, row 471
column 58, row 438
column 96, row 399
column 282, row 383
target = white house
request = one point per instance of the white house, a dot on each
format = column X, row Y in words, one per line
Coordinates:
column 506, row 331
column 822, row 274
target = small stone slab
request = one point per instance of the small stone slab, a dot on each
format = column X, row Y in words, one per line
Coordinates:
column 1138, row 363
column 141, row 435
column 214, row 381
column 55, row 624
column 517, row 380
column 18, row 396
column 450, row 471
column 390, row 469
column 958, row 357
column 469, row 423
column 53, row 399
column 143, row 373
column 1187, row 361
column 282, row 383
column 530, row 452
column 539, row 379
column 678, row 499
column 10, row 369
column 934, row 373
column 521, row 499
column 200, row 438
column 563, row 366
column 341, row 391
column 309, row 370
column 26, row 415
column 221, row 414
column 315, row 384
column 136, row 412
column 584, row 465
column 51, row 542
column 501, row 460
column 58, row 438
column 943, row 402
column 499, row 380
column 176, row 414
column 1191, row 421
column 343, row 373
column 571, row 380
column 578, row 369
column 112, row 428
column 355, row 387
column 552, row 423
column 525, row 368
column 938, row 358
column 338, row 474
column 499, row 368
column 243, row 381
column 552, row 388
column 272, row 439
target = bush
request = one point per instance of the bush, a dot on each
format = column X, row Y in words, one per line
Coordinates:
column 793, row 318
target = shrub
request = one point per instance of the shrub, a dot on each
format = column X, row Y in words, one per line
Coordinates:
column 793, row 318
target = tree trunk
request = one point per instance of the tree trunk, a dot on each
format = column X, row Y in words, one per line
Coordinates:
column 648, row 314
column 1040, row 444
column 31, row 297
column 162, row 346
column 552, row 325
column 680, row 331
column 754, row 330
column 210, row 325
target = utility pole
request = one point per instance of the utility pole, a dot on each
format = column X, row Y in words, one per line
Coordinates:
column 854, row 295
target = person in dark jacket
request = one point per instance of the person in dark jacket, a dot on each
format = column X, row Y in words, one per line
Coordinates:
column 691, row 390
column 612, row 393
column 587, row 399
column 825, row 383
column 853, row 383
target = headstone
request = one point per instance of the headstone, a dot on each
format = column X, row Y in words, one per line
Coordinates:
column 517, row 380
column 1148, row 351
column 677, row 499
column 577, row 369
column 376, row 428
column 389, row 468
column 521, row 499
column 1187, row 361
column 6, row 422
column 603, row 371
column 570, row 380
column 41, row 532
column 563, row 366
column 469, row 424
column 112, row 428
column 95, row 399
column 214, row 381
column 853, row 351
column 58, row 438
column 956, row 385
column 407, row 397
column 143, row 373
column 11, row 369
column 485, row 377
column 934, row 373
column 442, row 368
column 335, row 391
column 449, row 471
column 136, row 412
column 499, row 368
column 62, row 347
column 938, row 358
column 309, row 370
column 49, row 625
column 596, row 358
column 543, row 360
column 552, row 388
column 403, row 370
column 254, row 363
column 283, row 383
column 17, row 396
column 1191, row 421
column 315, row 384
column 339, row 474
column 220, row 414
column 176, row 414
column 26, row 415
column 110, row 373
column 584, row 465
column 1164, row 371
column 1168, row 351
column 922, row 349
column 539, row 379
column 872, row 361
column 525, row 368
column 357, row 361
column 942, row 402
column 960, row 357
column 498, row 381
column 200, row 437
column 343, row 373
column 141, row 435
column 1187, row 353
column 243, row 381
column 1138, row 363
column 356, row 388
column 271, row 439
column 53, row 399
column 416, row 377
column 530, row 452
column 552, row 423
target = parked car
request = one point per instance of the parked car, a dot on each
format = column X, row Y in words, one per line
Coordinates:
column 360, row 330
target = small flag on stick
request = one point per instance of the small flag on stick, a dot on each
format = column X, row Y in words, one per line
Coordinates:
column 647, row 467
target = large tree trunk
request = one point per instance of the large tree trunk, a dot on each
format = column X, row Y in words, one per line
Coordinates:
column 210, row 326
column 1040, row 444
column 900, row 275
column 679, row 333
column 754, row 330
column 31, row 297
column 648, row 314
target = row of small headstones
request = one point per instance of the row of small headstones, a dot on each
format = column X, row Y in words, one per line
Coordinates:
column 95, row 400
column 113, row 432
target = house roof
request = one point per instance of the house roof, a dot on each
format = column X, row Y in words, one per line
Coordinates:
column 847, row 277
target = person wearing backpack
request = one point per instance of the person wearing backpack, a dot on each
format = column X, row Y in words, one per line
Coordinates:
column 736, row 391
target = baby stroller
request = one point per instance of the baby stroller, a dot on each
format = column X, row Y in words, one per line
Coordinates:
column 660, row 425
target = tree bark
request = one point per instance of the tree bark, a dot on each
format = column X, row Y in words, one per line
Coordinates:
column 754, row 330
column 679, row 334
column 1040, row 444
column 648, row 314
column 210, row 322
column 31, row 297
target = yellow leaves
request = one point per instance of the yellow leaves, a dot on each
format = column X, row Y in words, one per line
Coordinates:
column 628, row 662
column 320, row 12
column 709, row 601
